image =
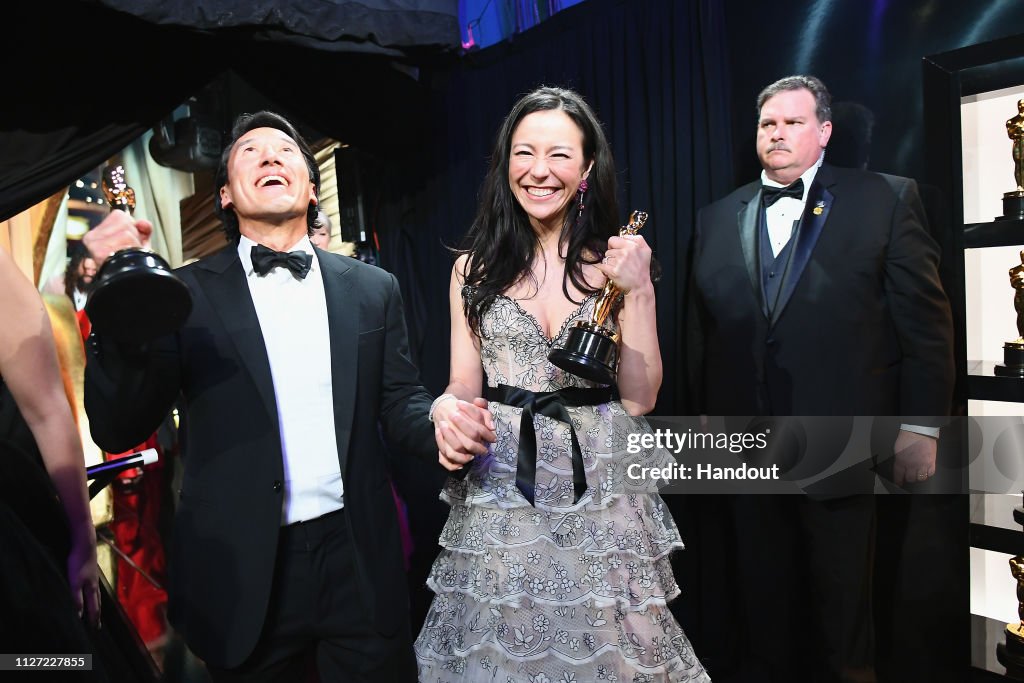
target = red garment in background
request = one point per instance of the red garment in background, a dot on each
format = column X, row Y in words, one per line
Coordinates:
column 138, row 495
column 84, row 324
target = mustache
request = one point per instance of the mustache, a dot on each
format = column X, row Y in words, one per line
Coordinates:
column 778, row 146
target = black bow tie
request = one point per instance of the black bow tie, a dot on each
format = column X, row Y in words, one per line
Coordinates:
column 770, row 194
column 265, row 259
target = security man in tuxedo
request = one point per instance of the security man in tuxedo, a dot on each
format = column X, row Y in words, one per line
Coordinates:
column 816, row 293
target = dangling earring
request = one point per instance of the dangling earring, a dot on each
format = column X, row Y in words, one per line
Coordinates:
column 582, row 191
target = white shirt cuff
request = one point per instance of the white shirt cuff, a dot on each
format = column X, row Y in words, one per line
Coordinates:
column 918, row 429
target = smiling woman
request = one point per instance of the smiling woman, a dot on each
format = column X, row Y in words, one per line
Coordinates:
column 547, row 167
column 533, row 584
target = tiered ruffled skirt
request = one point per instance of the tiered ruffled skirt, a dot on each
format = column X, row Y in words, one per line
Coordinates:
column 557, row 592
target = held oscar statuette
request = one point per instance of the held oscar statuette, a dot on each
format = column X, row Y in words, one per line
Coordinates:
column 592, row 347
column 137, row 296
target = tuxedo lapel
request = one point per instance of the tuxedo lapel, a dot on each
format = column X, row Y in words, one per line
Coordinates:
column 748, row 221
column 816, row 211
column 343, row 322
column 223, row 282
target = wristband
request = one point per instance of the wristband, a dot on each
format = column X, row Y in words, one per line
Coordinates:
column 437, row 402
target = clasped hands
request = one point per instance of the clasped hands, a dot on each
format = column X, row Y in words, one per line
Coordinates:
column 462, row 431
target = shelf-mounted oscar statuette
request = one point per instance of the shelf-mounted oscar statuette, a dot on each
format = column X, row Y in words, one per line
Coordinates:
column 1013, row 351
column 1011, row 653
column 1013, row 201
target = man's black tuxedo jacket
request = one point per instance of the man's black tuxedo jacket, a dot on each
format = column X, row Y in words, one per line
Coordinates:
column 862, row 325
column 230, row 509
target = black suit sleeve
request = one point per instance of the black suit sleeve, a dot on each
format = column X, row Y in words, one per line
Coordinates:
column 129, row 389
column 920, row 310
column 404, row 402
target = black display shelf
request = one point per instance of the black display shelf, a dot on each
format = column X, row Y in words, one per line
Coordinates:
column 946, row 79
column 1008, row 233
column 997, row 539
column 984, row 385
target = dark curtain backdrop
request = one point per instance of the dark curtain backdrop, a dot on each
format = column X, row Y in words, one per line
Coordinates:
column 654, row 71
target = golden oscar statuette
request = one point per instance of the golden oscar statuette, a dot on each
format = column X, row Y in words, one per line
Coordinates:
column 1013, row 201
column 592, row 348
column 137, row 297
column 1011, row 653
column 1013, row 351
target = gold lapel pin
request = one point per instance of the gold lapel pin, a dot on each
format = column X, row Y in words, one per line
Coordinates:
column 818, row 209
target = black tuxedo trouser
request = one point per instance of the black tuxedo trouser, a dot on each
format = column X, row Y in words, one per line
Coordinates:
column 318, row 627
column 805, row 585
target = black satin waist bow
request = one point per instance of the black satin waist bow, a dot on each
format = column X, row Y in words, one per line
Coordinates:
column 551, row 404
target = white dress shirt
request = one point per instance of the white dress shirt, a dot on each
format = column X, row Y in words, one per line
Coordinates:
column 80, row 298
column 293, row 319
column 785, row 213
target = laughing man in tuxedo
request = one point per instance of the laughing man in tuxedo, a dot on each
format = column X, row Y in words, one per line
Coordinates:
column 286, row 547
column 816, row 292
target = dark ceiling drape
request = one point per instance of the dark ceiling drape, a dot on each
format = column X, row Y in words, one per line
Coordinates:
column 655, row 72
column 81, row 90
column 83, row 80
column 391, row 27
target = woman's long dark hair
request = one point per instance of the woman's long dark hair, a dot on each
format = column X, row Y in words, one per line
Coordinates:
column 501, row 242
